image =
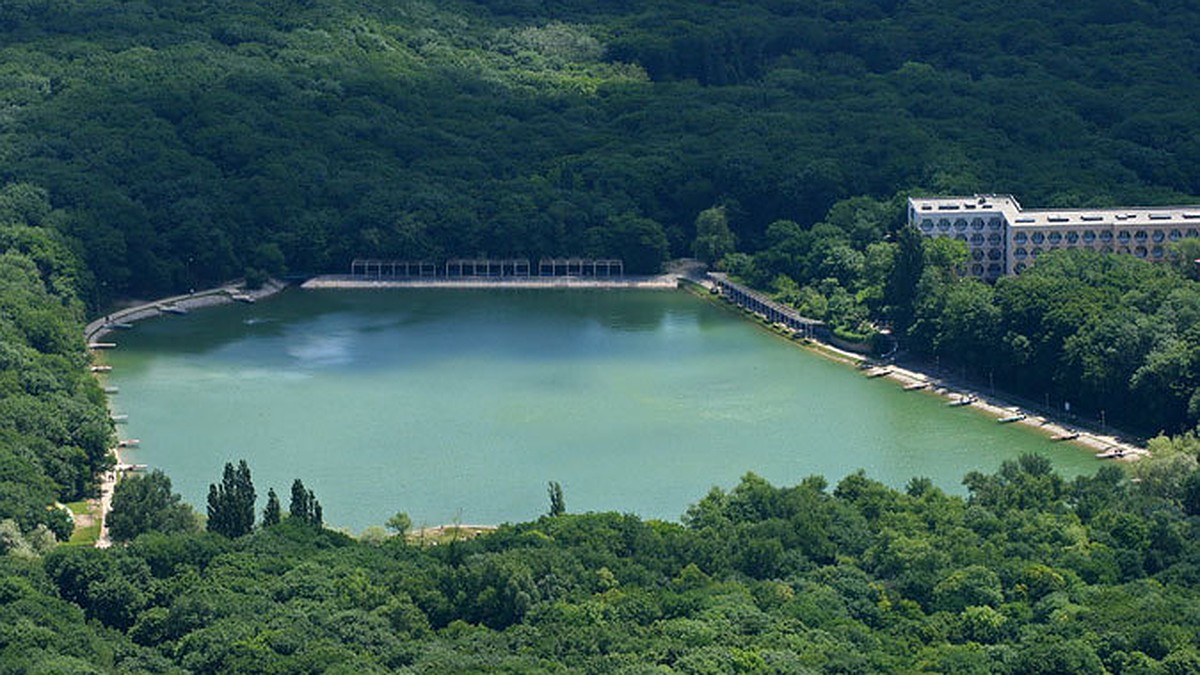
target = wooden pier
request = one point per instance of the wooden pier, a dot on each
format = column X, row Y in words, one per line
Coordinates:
column 765, row 307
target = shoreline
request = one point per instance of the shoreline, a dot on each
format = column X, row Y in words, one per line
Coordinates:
column 103, row 326
column 221, row 295
column 953, row 390
column 341, row 281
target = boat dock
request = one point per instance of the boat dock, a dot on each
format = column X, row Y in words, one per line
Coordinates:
column 771, row 311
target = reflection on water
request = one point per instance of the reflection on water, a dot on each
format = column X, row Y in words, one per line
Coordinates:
column 449, row 404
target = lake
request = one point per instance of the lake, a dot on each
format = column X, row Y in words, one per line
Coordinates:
column 460, row 405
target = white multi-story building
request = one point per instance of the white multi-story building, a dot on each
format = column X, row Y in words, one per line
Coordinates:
column 1003, row 238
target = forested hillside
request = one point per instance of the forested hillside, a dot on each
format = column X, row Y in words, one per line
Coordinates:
column 191, row 140
column 148, row 147
column 1029, row 575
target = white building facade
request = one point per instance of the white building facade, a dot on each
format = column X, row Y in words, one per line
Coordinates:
column 1002, row 238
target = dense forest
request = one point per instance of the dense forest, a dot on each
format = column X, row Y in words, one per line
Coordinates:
column 147, row 148
column 1029, row 574
column 191, row 140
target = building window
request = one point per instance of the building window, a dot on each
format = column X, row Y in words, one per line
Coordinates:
column 943, row 224
column 977, row 254
column 1156, row 252
column 1072, row 237
column 1140, row 251
column 1123, row 236
column 1089, row 237
column 1020, row 238
column 1020, row 254
column 995, row 254
column 1056, row 237
column 993, row 223
column 1140, row 236
column 1036, row 252
column 1106, row 236
column 960, row 224
column 1019, row 267
column 927, row 225
column 1158, row 236
column 994, row 239
column 1176, row 235
column 1192, row 233
column 977, row 270
column 1038, row 237
column 994, row 268
column 977, row 239
column 977, row 224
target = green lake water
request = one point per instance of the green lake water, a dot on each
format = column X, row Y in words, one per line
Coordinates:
column 454, row 404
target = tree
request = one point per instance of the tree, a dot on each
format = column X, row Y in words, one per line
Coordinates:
column 400, row 523
column 713, row 236
column 231, row 504
column 900, row 293
column 272, row 512
column 304, row 506
column 143, row 504
column 558, row 505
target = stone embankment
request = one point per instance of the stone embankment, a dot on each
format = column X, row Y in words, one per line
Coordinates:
column 342, row 281
column 223, row 295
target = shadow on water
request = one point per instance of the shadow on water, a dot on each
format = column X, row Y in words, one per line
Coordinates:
column 326, row 328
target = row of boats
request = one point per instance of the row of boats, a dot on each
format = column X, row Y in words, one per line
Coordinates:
column 873, row 371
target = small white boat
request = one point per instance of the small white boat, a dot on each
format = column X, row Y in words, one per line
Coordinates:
column 123, row 325
column 1011, row 418
column 172, row 309
column 101, row 369
column 914, row 386
column 242, row 297
column 962, row 400
column 120, row 417
column 102, row 345
column 111, row 390
column 128, row 443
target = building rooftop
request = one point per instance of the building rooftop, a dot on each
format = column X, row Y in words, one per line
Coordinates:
column 1155, row 216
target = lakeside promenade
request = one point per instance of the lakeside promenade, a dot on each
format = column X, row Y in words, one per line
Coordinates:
column 345, row 281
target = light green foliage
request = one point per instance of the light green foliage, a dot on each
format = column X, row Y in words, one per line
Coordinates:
column 714, row 239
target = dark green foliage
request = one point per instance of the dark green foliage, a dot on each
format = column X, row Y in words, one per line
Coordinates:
column 558, row 504
column 271, row 512
column 1012, row 579
column 179, row 143
column 54, row 429
column 143, row 504
column 304, row 507
column 231, row 503
column 1110, row 335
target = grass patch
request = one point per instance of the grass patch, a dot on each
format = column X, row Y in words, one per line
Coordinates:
column 80, row 508
column 84, row 536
